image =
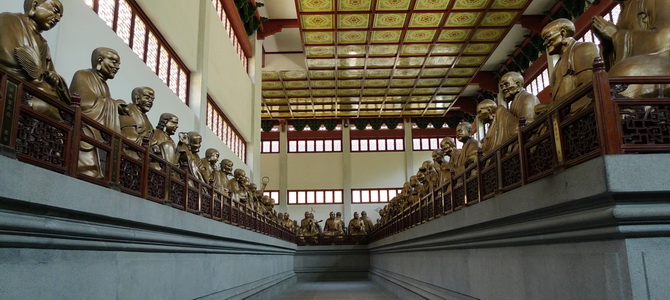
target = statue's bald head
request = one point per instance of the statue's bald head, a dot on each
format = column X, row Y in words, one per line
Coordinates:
column 101, row 52
column 28, row 5
column 557, row 25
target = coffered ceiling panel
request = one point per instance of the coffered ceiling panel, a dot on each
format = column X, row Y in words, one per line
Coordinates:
column 377, row 58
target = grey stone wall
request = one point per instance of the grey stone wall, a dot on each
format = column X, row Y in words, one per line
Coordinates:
column 62, row 238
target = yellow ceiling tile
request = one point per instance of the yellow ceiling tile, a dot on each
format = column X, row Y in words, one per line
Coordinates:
column 393, row 112
column 271, row 85
column 383, row 50
column 396, row 99
column 293, row 74
column 298, row 93
column 368, row 113
column 442, row 61
column 320, row 63
column 406, row 72
column 389, row 20
column 296, row 84
column 352, row 37
column 319, row 51
column 470, row 4
column 282, row 115
column 270, row 75
column 318, row 37
column 479, row 48
column 321, row 74
column 434, row 72
column 351, row 50
column 393, row 4
column 324, row 93
column 419, row 99
column 462, row 19
column 374, row 92
column 453, row 35
column 445, row 98
column 425, row 19
column 274, row 94
column 350, row 21
column 315, row 5
column 349, row 92
column 431, row 4
column 322, row 83
column 488, row 35
column 317, row 22
column 509, row 4
column 456, row 81
column 354, row 5
column 419, row 36
column 386, row 36
column 274, row 101
column 450, row 90
column 415, row 49
column 350, row 74
column 376, row 82
column 378, row 73
column 424, row 91
column 447, row 49
column 400, row 92
column 463, row 72
column 410, row 61
column 393, row 106
column 351, row 62
column 381, row 62
column 324, row 100
column 349, row 83
column 499, row 18
column 471, row 61
column 429, row 82
column 300, row 100
column 348, row 99
column 402, row 82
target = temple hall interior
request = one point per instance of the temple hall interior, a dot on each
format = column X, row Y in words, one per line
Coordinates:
column 334, row 149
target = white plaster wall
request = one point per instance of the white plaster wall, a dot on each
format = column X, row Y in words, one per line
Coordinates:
column 228, row 83
column 377, row 169
column 315, row 171
column 418, row 158
column 270, row 168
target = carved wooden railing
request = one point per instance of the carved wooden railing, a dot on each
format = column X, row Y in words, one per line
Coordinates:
column 53, row 144
column 562, row 137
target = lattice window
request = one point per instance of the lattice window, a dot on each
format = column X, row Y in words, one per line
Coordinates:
column 314, row 146
column 377, row 144
column 269, row 146
column 136, row 30
column 219, row 124
column 426, row 143
column 315, row 197
column 373, row 195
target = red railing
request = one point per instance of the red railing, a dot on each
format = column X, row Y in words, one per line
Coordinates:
column 127, row 167
column 561, row 138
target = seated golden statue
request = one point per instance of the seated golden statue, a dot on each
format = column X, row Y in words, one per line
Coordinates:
column 237, row 186
column 97, row 104
column 522, row 102
column 332, row 226
column 25, row 54
column 423, row 186
column 135, row 124
column 208, row 167
column 502, row 124
column 367, row 222
column 638, row 45
column 448, row 147
column 432, row 177
column 441, row 166
column 356, row 226
column 340, row 220
column 470, row 147
column 221, row 178
column 161, row 143
column 188, row 148
column 574, row 67
column 309, row 226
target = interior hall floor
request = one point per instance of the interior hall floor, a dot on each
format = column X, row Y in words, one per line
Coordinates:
column 336, row 290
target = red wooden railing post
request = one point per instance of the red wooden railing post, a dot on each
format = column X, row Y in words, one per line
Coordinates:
column 607, row 121
column 480, row 153
column 144, row 182
column 523, row 160
column 75, row 138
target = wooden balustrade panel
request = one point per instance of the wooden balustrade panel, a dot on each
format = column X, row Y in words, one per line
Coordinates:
column 158, row 180
column 579, row 135
column 41, row 141
column 459, row 196
column 472, row 190
column 540, row 148
column 644, row 125
column 177, row 187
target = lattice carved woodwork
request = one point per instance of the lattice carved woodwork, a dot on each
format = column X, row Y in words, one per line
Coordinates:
column 41, row 141
column 156, row 184
column 489, row 182
column 459, row 196
column 130, row 174
column 472, row 190
column 645, row 124
column 581, row 136
column 541, row 157
column 511, row 171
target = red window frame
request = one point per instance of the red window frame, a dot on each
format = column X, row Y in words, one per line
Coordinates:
column 315, row 197
column 373, row 196
column 217, row 121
